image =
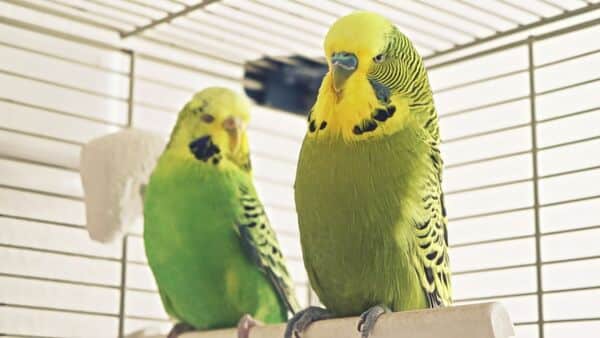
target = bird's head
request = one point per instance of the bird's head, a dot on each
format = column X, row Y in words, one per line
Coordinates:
column 372, row 66
column 368, row 46
column 212, row 127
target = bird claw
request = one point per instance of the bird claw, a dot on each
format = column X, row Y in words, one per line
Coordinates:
column 367, row 320
column 245, row 324
column 180, row 328
column 301, row 320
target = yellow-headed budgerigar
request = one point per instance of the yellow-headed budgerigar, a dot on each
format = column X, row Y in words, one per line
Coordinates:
column 368, row 195
column 214, row 255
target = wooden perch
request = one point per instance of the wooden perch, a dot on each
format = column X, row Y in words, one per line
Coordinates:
column 487, row 320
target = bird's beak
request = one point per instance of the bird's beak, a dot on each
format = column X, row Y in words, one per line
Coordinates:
column 342, row 66
column 234, row 126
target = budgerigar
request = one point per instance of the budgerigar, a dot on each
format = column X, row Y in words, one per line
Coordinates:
column 214, row 255
column 368, row 195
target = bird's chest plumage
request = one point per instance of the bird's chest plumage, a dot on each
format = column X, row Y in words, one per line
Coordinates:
column 355, row 206
column 190, row 206
column 194, row 250
column 189, row 225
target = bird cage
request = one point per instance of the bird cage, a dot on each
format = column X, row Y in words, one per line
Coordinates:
column 517, row 89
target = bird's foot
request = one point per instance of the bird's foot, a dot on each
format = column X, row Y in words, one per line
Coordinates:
column 245, row 324
column 301, row 320
column 367, row 320
column 179, row 329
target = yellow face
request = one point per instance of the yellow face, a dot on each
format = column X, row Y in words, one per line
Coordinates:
column 215, row 118
column 360, row 34
column 360, row 48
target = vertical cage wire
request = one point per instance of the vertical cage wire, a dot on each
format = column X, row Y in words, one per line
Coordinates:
column 535, row 178
column 123, row 287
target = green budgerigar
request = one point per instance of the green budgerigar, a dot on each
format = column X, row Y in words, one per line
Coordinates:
column 214, row 255
column 368, row 186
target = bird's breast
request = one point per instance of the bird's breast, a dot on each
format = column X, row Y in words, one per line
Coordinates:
column 354, row 203
column 358, row 183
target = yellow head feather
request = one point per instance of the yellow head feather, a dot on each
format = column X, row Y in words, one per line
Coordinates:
column 369, row 37
column 219, row 113
column 361, row 33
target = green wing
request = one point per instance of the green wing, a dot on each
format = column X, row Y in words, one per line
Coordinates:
column 260, row 242
column 432, row 262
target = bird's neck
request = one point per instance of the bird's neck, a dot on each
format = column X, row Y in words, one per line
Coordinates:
column 420, row 94
column 358, row 114
column 178, row 151
column 422, row 107
column 422, row 103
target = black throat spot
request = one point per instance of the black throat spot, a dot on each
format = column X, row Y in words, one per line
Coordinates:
column 203, row 148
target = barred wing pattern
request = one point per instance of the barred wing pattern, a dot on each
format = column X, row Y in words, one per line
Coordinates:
column 260, row 242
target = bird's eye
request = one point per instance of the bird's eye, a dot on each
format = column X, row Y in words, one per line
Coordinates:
column 207, row 118
column 379, row 58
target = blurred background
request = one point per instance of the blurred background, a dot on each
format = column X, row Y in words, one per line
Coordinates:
column 517, row 88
